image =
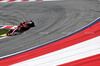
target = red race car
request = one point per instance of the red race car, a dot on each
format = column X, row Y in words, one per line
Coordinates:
column 21, row 28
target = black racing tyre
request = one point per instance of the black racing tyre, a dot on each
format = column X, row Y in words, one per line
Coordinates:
column 31, row 24
column 10, row 31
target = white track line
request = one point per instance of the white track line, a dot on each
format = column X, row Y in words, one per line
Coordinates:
column 3, row 37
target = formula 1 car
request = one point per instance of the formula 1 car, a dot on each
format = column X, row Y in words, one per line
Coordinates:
column 21, row 28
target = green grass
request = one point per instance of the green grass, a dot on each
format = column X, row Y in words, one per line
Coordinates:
column 3, row 31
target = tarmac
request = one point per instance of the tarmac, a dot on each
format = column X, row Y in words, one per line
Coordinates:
column 53, row 20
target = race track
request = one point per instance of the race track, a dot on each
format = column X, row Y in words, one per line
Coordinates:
column 53, row 20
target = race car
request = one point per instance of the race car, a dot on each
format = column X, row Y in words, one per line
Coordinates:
column 21, row 28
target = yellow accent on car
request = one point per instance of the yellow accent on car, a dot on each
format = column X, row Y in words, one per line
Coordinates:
column 3, row 35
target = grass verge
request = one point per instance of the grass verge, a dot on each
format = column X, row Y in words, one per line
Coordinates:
column 3, row 31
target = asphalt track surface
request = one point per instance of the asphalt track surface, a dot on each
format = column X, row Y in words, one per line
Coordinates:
column 53, row 20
